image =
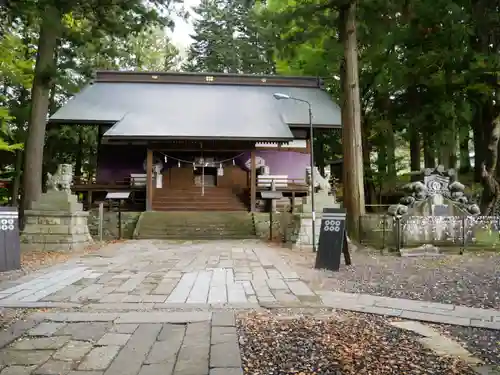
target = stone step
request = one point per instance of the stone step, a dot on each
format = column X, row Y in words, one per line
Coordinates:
column 206, row 208
column 214, row 199
column 194, row 192
column 189, row 236
column 187, row 225
column 157, row 230
column 198, row 198
column 184, row 200
column 190, row 216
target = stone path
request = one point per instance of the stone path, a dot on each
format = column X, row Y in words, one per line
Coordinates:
column 131, row 343
column 151, row 307
column 145, row 274
column 413, row 310
column 155, row 275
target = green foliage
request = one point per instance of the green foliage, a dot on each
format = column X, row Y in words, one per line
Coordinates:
column 125, row 35
column 421, row 62
column 229, row 37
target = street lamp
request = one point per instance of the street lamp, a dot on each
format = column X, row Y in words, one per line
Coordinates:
column 280, row 96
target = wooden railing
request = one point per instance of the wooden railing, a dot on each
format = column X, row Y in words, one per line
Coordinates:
column 134, row 182
column 281, row 182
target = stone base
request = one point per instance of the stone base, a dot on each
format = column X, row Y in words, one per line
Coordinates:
column 321, row 201
column 110, row 224
column 55, row 230
column 285, row 226
column 305, row 238
column 305, row 232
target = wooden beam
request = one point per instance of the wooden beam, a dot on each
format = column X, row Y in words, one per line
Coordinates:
column 149, row 180
column 207, row 79
column 253, row 182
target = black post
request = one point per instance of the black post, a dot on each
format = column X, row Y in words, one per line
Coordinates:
column 271, row 221
column 398, row 234
column 311, row 161
column 464, row 234
column 345, row 250
column 120, row 219
column 383, row 231
column 498, row 226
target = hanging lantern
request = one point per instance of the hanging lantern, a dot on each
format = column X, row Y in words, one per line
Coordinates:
column 178, row 164
column 166, row 159
column 234, row 163
column 220, row 170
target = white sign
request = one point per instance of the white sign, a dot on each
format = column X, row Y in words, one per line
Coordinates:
column 437, row 184
column 332, row 226
column 118, row 195
column 159, row 181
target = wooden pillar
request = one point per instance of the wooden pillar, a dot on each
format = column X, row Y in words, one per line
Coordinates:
column 149, row 180
column 253, row 182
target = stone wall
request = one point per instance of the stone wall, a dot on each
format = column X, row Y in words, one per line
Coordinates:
column 54, row 231
column 110, row 224
column 285, row 226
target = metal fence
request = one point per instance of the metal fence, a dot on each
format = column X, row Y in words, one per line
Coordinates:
column 384, row 231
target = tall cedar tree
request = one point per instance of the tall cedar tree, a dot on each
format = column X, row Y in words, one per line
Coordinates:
column 102, row 16
column 229, row 38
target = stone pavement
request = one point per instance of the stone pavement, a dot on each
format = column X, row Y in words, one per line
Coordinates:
column 158, row 275
column 149, row 274
column 153, row 307
column 413, row 310
column 130, row 343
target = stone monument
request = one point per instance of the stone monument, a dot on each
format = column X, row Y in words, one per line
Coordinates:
column 322, row 199
column 433, row 210
column 56, row 222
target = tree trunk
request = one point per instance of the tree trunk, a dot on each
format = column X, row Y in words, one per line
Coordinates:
column 17, row 178
column 429, row 152
column 463, row 138
column 44, row 74
column 354, row 197
column 382, row 159
column 319, row 152
column 478, row 134
column 391, row 151
column 414, row 150
column 79, row 155
column 370, row 188
column 415, row 129
column 447, row 155
column 491, row 188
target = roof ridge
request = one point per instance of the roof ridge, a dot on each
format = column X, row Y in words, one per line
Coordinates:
column 206, row 78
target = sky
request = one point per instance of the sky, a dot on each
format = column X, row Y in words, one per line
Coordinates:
column 180, row 35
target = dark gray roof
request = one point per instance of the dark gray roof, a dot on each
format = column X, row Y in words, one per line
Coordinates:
column 180, row 110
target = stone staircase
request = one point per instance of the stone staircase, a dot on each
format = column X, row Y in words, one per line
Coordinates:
column 190, row 199
column 195, row 225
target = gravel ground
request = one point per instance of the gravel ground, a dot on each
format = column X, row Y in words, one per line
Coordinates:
column 8, row 316
column 472, row 279
column 482, row 343
column 343, row 345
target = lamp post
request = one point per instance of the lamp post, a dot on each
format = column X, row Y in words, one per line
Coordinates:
column 280, row 96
